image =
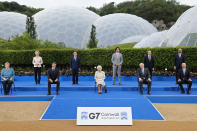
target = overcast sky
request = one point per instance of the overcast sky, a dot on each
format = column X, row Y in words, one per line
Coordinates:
column 80, row 3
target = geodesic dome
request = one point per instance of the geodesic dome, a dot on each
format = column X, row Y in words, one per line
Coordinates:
column 153, row 40
column 112, row 29
column 11, row 24
column 184, row 31
column 133, row 39
column 68, row 25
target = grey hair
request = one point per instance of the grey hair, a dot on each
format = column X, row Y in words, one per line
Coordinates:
column 141, row 64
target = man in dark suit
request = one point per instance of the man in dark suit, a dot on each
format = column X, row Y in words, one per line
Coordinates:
column 178, row 60
column 144, row 77
column 149, row 62
column 184, row 77
column 75, row 66
column 53, row 78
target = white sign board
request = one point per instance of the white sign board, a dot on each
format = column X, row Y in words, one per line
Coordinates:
column 104, row 116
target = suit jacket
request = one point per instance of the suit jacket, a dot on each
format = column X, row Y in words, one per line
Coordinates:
column 53, row 74
column 182, row 76
column 178, row 61
column 75, row 64
column 117, row 60
column 146, row 74
column 148, row 64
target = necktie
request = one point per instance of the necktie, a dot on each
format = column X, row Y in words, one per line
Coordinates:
column 149, row 58
column 142, row 71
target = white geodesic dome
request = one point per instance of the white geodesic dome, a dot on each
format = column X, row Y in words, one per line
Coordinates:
column 133, row 39
column 153, row 40
column 68, row 25
column 184, row 31
column 112, row 29
column 11, row 24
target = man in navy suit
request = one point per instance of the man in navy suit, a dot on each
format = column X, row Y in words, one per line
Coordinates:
column 149, row 62
column 75, row 66
column 184, row 77
column 178, row 60
column 144, row 77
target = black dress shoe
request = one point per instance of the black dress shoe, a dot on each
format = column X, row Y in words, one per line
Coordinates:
column 182, row 92
column 188, row 92
column 48, row 94
column 148, row 93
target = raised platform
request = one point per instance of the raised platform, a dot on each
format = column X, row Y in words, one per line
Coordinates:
column 158, row 82
column 64, row 105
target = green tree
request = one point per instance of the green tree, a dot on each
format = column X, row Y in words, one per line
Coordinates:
column 31, row 27
column 93, row 41
column 15, row 7
column 166, row 10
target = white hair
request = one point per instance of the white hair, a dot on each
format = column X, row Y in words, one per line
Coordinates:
column 99, row 66
column 141, row 64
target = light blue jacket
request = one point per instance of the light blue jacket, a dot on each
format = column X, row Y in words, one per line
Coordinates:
column 7, row 73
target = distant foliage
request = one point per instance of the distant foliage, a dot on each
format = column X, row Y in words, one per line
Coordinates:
column 166, row 10
column 25, row 42
column 15, row 7
column 93, row 41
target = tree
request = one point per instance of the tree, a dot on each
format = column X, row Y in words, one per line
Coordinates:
column 31, row 27
column 15, row 7
column 166, row 10
column 93, row 41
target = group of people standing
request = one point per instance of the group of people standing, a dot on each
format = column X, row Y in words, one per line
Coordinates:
column 144, row 72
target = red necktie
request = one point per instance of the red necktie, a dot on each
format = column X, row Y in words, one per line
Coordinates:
column 149, row 58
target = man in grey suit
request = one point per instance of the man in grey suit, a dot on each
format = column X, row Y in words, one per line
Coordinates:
column 144, row 77
column 117, row 60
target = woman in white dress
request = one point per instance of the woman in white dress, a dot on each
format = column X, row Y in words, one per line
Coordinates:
column 37, row 62
column 100, row 77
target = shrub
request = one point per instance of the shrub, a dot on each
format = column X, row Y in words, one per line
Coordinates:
column 91, row 57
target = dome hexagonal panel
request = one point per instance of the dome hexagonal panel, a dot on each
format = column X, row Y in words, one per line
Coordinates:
column 11, row 24
column 184, row 31
column 112, row 29
column 68, row 25
column 153, row 40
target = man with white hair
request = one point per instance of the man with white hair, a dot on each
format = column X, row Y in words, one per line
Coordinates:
column 184, row 77
column 144, row 77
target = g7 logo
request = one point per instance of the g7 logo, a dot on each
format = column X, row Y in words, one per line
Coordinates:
column 94, row 115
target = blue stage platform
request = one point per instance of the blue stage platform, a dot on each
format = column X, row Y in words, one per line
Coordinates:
column 64, row 106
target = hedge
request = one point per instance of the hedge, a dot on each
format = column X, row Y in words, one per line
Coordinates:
column 91, row 57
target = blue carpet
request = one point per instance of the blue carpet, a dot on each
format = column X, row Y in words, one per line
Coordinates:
column 173, row 99
column 27, row 98
column 64, row 107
